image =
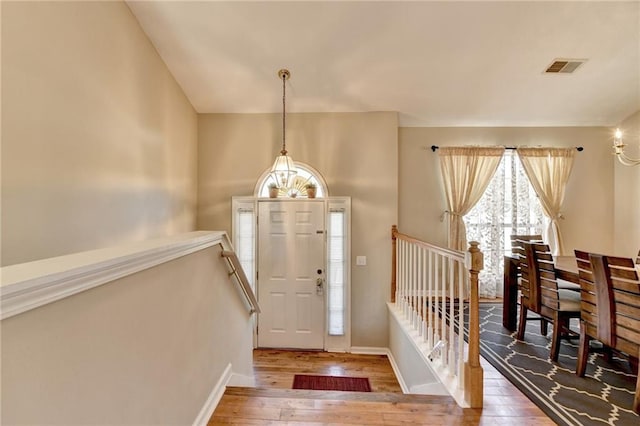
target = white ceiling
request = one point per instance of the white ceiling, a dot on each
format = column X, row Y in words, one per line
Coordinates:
column 436, row 63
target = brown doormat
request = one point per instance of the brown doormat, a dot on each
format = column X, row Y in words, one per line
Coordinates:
column 353, row 384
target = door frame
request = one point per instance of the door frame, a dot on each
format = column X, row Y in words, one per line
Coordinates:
column 332, row 343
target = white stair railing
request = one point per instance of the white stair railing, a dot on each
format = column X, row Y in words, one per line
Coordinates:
column 432, row 287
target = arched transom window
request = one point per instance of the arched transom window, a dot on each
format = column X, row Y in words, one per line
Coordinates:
column 307, row 176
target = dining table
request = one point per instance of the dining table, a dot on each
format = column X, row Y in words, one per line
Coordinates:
column 566, row 269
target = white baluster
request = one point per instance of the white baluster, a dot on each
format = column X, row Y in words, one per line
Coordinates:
column 442, row 307
column 436, row 313
column 400, row 275
column 423, row 285
column 430, row 281
column 461, row 279
column 416, row 305
column 403, row 266
column 397, row 248
column 407, row 278
column 413, row 286
column 452, row 314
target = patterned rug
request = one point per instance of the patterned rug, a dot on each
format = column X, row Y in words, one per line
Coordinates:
column 338, row 383
column 603, row 397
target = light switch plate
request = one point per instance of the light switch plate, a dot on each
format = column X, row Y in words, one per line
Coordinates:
column 361, row 260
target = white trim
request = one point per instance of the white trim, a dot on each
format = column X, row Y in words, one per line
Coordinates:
column 30, row 285
column 214, row 398
column 369, row 350
column 396, row 371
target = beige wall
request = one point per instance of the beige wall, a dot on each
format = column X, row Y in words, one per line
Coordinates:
column 144, row 349
column 99, row 143
column 357, row 155
column 588, row 205
column 627, row 192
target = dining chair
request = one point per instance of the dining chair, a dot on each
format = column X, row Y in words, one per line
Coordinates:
column 596, row 322
column 556, row 305
column 598, row 308
column 617, row 297
column 528, row 299
column 595, row 313
column 511, row 281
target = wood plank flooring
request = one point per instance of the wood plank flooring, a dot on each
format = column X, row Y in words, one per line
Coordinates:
column 275, row 368
column 273, row 402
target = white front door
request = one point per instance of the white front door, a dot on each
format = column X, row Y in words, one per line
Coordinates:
column 291, row 247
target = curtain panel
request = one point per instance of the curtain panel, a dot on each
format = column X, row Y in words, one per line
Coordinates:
column 466, row 173
column 548, row 170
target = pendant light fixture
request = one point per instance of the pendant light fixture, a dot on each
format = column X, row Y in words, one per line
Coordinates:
column 283, row 170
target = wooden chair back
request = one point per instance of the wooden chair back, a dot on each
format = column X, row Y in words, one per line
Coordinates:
column 542, row 274
column 596, row 301
column 524, row 283
column 528, row 284
column 517, row 243
column 621, row 278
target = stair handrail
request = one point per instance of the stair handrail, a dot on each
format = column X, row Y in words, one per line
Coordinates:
column 410, row 294
column 240, row 277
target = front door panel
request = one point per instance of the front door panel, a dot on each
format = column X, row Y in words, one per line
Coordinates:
column 291, row 247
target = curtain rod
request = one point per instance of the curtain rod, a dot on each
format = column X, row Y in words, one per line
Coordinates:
column 434, row 147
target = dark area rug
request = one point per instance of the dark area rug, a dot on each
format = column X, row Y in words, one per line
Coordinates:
column 603, row 397
column 338, row 383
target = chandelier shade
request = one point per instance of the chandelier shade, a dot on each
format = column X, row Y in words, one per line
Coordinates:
column 283, row 171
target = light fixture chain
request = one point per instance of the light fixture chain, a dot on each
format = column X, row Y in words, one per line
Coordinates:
column 284, row 103
column 284, row 171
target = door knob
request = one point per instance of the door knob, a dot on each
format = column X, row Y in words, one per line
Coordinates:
column 319, row 286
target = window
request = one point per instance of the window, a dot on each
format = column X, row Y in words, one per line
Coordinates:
column 246, row 242
column 508, row 206
column 306, row 174
column 336, row 273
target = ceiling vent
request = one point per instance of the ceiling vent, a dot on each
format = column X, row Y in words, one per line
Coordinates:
column 564, row 66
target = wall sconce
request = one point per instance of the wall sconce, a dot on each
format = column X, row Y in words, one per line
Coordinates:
column 618, row 149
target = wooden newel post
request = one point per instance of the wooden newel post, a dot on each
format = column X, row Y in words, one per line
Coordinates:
column 473, row 373
column 394, row 231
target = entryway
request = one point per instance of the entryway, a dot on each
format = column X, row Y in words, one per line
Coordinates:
column 295, row 251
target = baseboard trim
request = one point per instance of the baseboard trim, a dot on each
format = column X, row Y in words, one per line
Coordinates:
column 242, row 381
column 369, row 350
column 214, row 398
column 396, row 371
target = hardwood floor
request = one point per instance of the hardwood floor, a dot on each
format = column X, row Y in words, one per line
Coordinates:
column 275, row 368
column 273, row 402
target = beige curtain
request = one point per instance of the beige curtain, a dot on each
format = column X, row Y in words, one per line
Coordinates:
column 548, row 170
column 466, row 173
